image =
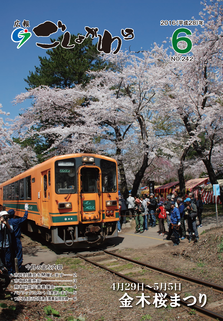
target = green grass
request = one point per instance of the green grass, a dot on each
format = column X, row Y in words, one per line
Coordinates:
column 220, row 247
column 50, row 311
column 220, row 257
column 71, row 262
column 192, row 312
column 123, row 267
column 187, row 294
column 146, row 317
column 60, row 289
column 9, row 307
column 209, row 210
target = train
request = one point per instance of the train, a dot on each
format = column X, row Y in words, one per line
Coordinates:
column 72, row 198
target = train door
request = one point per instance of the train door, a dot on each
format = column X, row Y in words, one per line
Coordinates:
column 89, row 193
column 45, row 181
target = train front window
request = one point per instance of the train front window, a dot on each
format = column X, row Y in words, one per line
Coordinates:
column 65, row 176
column 108, row 170
column 89, row 178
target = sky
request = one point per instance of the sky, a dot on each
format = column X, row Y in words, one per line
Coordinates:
column 144, row 16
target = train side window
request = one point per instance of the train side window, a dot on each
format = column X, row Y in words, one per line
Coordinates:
column 21, row 189
column 45, row 184
column 11, row 192
column 5, row 192
column 108, row 170
column 28, row 187
column 49, row 182
column 16, row 191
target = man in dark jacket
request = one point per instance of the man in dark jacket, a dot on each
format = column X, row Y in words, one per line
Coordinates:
column 152, row 205
column 4, row 278
column 16, row 235
column 174, row 224
column 199, row 209
column 167, row 206
column 180, row 204
column 5, row 241
column 191, row 208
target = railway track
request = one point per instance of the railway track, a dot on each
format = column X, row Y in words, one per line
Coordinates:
column 115, row 263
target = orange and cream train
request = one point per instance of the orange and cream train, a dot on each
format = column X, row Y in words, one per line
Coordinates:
column 72, row 198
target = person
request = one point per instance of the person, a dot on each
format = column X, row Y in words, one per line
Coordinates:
column 123, row 210
column 16, row 222
column 175, row 197
column 180, row 205
column 130, row 203
column 161, row 216
column 193, row 199
column 199, row 209
column 191, row 208
column 167, row 207
column 144, row 204
column 152, row 208
column 5, row 242
column 139, row 210
column 119, row 223
column 170, row 195
column 4, row 278
column 174, row 224
column 161, row 198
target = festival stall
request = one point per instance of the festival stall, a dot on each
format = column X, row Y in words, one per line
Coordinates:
column 207, row 193
column 196, row 185
column 166, row 189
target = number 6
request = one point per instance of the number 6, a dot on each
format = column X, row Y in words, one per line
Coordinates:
column 175, row 40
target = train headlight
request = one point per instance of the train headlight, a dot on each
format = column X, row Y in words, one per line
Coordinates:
column 87, row 159
column 111, row 203
column 65, row 205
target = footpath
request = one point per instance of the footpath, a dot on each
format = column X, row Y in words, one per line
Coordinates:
column 125, row 239
column 128, row 239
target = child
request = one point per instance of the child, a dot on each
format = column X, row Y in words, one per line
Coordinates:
column 161, row 216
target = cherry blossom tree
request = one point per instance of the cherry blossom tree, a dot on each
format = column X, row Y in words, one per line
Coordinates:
column 13, row 158
column 118, row 113
column 195, row 89
column 112, row 104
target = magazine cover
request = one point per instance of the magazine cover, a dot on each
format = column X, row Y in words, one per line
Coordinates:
column 111, row 178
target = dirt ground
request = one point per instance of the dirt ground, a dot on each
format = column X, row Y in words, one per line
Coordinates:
column 98, row 298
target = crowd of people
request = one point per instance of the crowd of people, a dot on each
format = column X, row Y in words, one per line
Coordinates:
column 176, row 211
column 10, row 245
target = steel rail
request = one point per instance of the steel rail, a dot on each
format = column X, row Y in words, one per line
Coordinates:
column 181, row 276
column 196, row 307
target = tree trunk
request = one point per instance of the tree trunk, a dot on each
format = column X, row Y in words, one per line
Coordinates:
column 181, row 171
column 123, row 184
column 181, row 178
column 139, row 175
column 212, row 176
